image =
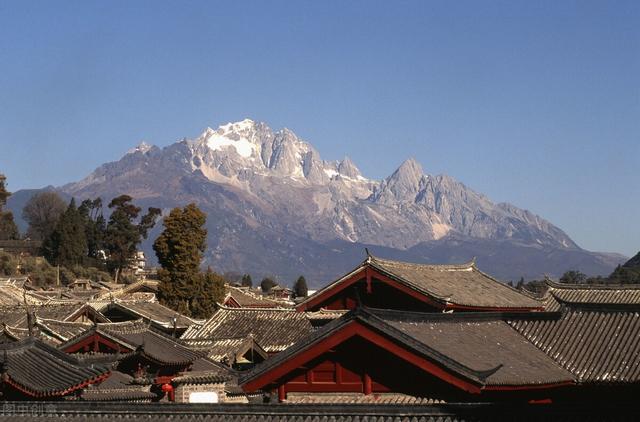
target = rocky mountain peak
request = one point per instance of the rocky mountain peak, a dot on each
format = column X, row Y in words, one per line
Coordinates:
column 142, row 147
column 403, row 185
column 347, row 168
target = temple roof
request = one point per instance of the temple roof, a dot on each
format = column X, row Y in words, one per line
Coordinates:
column 481, row 348
column 273, row 329
column 458, row 284
column 40, row 370
column 596, row 346
column 462, row 286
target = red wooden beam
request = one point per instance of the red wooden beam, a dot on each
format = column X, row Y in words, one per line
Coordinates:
column 366, row 389
column 91, row 341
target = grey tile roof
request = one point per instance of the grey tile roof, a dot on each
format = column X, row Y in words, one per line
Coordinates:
column 486, row 346
column 463, row 286
column 355, row 398
column 230, row 349
column 596, row 346
column 16, row 316
column 138, row 336
column 154, row 312
column 118, row 387
column 273, row 329
column 481, row 348
column 612, row 296
column 457, row 284
column 248, row 299
column 44, row 371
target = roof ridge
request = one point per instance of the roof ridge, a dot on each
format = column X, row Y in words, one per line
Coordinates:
column 572, row 286
column 466, row 265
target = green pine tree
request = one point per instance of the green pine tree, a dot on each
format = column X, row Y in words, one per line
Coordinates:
column 67, row 244
column 300, row 288
column 180, row 248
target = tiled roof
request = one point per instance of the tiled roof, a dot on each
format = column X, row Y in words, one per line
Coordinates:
column 118, row 387
column 614, row 296
column 230, row 349
column 452, row 286
column 50, row 331
column 62, row 329
column 16, row 316
column 248, row 299
column 40, row 370
column 137, row 335
column 481, row 348
column 12, row 294
column 325, row 314
column 218, row 375
column 353, row 398
column 154, row 312
column 596, row 346
column 273, row 329
column 458, row 284
column 482, row 344
column 124, row 291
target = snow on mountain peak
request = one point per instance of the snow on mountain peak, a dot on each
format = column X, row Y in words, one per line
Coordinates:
column 143, row 147
column 242, row 125
column 228, row 135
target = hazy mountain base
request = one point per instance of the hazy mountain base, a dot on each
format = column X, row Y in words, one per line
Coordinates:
column 268, row 251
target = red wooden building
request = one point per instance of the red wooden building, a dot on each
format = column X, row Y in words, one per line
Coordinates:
column 450, row 357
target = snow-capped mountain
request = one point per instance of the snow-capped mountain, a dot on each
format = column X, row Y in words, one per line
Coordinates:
column 276, row 207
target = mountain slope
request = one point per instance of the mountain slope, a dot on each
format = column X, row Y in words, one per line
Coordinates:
column 275, row 207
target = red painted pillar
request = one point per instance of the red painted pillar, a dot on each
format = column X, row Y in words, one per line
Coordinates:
column 282, row 394
column 367, row 384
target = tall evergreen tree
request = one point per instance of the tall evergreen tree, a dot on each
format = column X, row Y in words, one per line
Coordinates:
column 300, row 288
column 8, row 228
column 67, row 244
column 179, row 249
column 123, row 234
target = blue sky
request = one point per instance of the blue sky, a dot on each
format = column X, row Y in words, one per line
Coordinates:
column 534, row 103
